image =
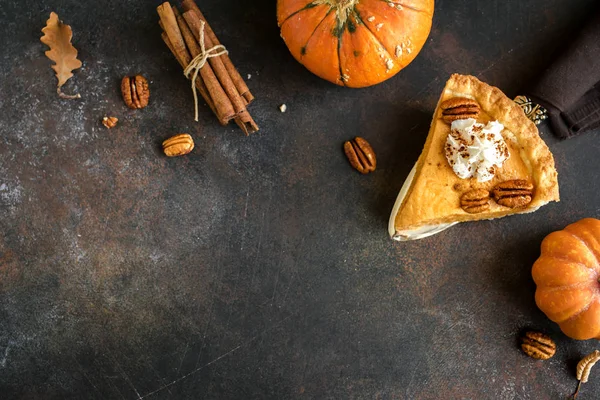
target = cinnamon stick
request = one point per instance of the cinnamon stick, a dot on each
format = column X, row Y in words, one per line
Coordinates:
column 180, row 51
column 195, row 25
column 169, row 25
column 182, row 42
column 199, row 84
column 243, row 120
column 239, row 82
column 224, row 106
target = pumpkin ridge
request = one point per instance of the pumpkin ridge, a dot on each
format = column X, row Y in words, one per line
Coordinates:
column 303, row 51
column 405, row 6
column 578, row 314
column 573, row 314
column 569, row 326
column 339, row 46
column 565, row 259
column 359, row 19
column 566, row 287
column 306, row 7
column 587, row 246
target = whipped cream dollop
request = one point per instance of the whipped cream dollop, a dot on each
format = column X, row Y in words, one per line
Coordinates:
column 475, row 150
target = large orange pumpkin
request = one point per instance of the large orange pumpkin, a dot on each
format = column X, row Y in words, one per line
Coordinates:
column 567, row 276
column 355, row 43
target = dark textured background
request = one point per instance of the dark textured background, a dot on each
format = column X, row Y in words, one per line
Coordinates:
column 260, row 267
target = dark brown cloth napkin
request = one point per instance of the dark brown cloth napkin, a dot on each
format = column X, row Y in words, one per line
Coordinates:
column 570, row 88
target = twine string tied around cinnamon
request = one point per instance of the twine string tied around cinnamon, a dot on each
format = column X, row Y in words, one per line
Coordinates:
column 199, row 62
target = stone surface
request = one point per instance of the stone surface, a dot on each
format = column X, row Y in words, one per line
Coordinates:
column 260, row 267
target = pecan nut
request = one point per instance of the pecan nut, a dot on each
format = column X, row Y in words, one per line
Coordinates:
column 361, row 155
column 475, row 201
column 110, row 122
column 459, row 108
column 178, row 145
column 513, row 193
column 537, row 345
column 135, row 91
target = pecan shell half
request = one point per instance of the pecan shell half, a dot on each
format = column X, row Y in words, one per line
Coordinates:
column 178, row 145
column 135, row 90
column 459, row 108
column 537, row 345
column 110, row 122
column 360, row 155
column 475, row 201
column 514, row 193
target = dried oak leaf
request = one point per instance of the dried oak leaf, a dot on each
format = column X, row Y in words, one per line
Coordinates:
column 58, row 36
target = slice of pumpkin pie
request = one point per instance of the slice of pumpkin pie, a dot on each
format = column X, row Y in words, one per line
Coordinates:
column 483, row 159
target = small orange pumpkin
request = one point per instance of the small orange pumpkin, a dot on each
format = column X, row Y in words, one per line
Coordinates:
column 567, row 276
column 355, row 43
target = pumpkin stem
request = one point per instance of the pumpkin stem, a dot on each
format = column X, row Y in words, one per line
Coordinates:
column 343, row 8
column 342, row 5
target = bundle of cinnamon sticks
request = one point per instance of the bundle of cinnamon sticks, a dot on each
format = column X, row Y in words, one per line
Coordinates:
column 218, row 81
